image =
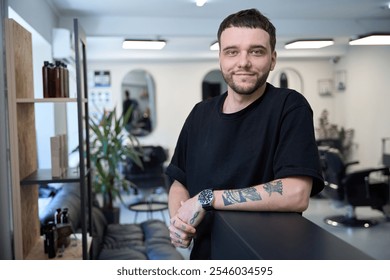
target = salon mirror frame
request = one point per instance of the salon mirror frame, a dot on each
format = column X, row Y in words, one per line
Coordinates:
column 140, row 85
column 287, row 77
column 213, row 84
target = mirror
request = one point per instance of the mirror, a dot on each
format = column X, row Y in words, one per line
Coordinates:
column 288, row 78
column 213, row 84
column 138, row 91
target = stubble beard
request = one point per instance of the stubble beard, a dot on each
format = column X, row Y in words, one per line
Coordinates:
column 245, row 90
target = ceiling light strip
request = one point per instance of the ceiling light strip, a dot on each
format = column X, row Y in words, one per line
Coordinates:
column 309, row 44
column 371, row 39
column 200, row 3
column 143, row 44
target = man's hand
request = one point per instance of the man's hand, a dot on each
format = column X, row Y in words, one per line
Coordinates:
column 181, row 234
column 182, row 227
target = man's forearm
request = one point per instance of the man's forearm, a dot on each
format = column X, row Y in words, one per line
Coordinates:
column 289, row 194
column 177, row 194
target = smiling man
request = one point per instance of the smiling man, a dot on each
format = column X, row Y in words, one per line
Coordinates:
column 250, row 149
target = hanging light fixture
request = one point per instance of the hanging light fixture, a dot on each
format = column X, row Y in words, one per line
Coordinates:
column 371, row 39
column 309, row 44
column 200, row 3
column 143, row 44
column 214, row 46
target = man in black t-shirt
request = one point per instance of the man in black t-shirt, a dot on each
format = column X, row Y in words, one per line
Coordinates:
column 250, row 149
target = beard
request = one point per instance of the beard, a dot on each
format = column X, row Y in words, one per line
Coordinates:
column 247, row 89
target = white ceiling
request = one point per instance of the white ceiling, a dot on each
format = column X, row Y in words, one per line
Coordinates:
column 190, row 30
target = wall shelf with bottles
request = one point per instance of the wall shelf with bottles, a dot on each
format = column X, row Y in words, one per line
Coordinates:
column 26, row 177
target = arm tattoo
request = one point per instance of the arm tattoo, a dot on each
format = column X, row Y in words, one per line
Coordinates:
column 192, row 221
column 276, row 186
column 239, row 196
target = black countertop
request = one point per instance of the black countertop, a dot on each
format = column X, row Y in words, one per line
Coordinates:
column 276, row 236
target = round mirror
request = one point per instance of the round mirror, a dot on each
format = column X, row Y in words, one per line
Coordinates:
column 138, row 92
column 213, row 84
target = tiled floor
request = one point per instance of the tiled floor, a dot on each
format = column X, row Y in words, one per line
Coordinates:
column 374, row 241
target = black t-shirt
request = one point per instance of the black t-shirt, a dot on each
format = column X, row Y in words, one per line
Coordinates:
column 271, row 138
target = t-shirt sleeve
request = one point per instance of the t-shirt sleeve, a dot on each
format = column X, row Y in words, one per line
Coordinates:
column 297, row 153
column 176, row 168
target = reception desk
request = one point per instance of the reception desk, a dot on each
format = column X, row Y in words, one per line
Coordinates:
column 275, row 236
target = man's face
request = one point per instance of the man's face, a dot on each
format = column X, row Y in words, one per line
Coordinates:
column 245, row 58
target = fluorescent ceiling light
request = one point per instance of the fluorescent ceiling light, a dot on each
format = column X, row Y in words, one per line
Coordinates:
column 200, row 3
column 371, row 39
column 143, row 44
column 309, row 44
column 214, row 46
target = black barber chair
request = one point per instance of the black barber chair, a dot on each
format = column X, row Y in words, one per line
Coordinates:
column 150, row 181
column 368, row 187
column 151, row 175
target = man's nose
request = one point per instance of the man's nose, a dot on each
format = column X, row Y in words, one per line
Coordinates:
column 244, row 61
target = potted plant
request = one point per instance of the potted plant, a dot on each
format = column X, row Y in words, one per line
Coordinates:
column 111, row 145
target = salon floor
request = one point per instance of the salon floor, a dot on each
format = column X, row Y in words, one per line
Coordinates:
column 374, row 241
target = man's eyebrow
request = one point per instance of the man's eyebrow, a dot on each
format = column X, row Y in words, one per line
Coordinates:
column 250, row 47
column 229, row 48
column 258, row 47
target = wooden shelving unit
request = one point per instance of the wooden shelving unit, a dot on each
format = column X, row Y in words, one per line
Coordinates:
column 47, row 100
column 23, row 146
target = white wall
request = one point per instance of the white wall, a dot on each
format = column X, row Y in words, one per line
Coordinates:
column 366, row 104
column 38, row 14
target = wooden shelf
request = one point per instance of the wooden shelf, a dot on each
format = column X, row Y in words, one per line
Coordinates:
column 43, row 176
column 72, row 252
column 26, row 176
column 48, row 100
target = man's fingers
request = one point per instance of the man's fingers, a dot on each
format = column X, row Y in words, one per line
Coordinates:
column 180, row 233
column 179, row 224
column 180, row 241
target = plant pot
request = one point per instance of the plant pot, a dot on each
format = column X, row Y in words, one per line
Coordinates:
column 112, row 215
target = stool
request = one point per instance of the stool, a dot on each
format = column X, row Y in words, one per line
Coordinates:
column 149, row 207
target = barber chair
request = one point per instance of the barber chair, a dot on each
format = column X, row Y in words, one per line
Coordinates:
column 368, row 187
column 149, row 180
column 151, row 175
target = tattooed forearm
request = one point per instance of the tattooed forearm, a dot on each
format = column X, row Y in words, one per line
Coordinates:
column 192, row 221
column 239, row 196
column 276, row 186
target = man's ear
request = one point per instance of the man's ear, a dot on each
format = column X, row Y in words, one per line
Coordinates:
column 273, row 60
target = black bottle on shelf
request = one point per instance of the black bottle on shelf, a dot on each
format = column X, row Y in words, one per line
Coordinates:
column 45, row 78
column 59, row 70
column 51, row 240
column 65, row 216
column 46, row 230
column 57, row 216
column 52, row 80
column 66, row 80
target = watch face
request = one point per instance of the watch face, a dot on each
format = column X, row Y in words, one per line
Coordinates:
column 206, row 197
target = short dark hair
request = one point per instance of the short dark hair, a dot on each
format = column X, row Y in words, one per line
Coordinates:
column 250, row 18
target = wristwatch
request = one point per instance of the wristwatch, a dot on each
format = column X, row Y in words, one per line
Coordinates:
column 206, row 198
